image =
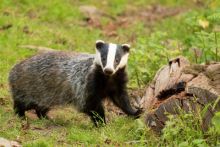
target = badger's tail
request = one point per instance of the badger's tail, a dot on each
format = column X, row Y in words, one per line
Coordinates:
column 39, row 49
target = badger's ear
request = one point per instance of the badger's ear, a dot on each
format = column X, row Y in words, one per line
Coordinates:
column 126, row 47
column 99, row 44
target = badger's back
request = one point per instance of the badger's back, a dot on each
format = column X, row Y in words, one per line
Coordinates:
column 52, row 78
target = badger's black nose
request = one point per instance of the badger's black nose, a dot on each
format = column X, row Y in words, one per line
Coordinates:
column 108, row 71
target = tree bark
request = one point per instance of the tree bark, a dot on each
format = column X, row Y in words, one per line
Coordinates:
column 182, row 86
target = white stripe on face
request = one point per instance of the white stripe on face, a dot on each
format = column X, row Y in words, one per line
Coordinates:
column 123, row 62
column 98, row 58
column 111, row 56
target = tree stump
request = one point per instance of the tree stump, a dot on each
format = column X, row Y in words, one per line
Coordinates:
column 180, row 85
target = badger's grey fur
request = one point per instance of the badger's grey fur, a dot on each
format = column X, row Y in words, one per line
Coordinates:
column 59, row 78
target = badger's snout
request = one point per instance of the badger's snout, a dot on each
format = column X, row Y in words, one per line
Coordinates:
column 108, row 71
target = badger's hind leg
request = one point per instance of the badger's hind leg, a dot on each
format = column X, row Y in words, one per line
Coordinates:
column 19, row 108
column 42, row 112
column 20, row 105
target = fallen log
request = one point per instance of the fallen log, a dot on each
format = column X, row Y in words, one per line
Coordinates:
column 182, row 86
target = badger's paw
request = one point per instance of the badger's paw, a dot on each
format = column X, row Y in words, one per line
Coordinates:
column 138, row 113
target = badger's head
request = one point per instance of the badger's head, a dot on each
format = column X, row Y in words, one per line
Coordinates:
column 111, row 57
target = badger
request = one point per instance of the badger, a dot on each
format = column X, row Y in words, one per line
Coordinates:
column 81, row 80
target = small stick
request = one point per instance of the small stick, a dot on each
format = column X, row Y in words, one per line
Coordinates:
column 216, row 49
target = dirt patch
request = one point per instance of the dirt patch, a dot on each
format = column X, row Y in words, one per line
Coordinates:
column 148, row 16
column 31, row 114
column 136, row 101
column 8, row 143
column 2, row 101
column 3, row 86
column 5, row 27
column 151, row 14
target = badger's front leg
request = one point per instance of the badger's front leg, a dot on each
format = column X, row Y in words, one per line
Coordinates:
column 122, row 101
column 96, row 112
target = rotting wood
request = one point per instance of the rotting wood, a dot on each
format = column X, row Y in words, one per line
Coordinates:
column 182, row 86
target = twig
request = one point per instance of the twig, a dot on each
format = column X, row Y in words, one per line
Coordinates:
column 136, row 141
column 216, row 48
column 195, row 55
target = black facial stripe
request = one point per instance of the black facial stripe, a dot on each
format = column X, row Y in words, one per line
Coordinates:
column 104, row 54
column 118, row 55
column 104, row 50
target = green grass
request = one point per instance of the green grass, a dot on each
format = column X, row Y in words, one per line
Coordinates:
column 60, row 24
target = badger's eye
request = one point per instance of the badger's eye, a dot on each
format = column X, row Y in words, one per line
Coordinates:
column 117, row 60
column 104, row 59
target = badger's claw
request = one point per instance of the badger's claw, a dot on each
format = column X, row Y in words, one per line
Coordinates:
column 138, row 113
